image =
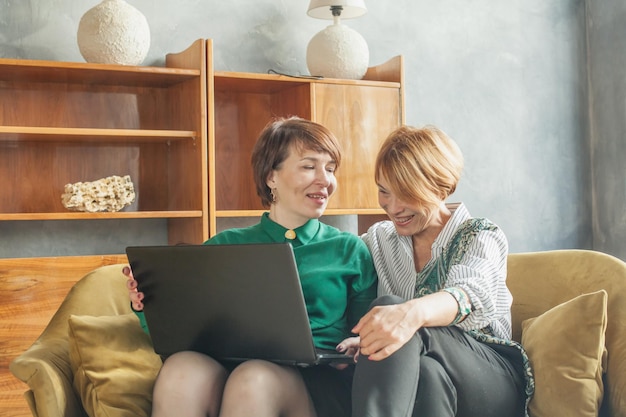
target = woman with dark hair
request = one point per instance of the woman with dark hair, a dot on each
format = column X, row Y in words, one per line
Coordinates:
column 294, row 163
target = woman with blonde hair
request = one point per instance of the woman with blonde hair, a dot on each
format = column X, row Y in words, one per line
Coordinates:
column 437, row 340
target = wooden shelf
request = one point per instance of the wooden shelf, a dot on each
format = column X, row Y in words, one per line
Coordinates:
column 183, row 132
column 328, row 212
column 267, row 83
column 29, row 133
column 75, row 122
column 70, row 215
column 37, row 71
column 239, row 213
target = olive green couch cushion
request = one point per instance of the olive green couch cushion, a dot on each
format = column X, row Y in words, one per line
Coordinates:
column 114, row 365
column 565, row 346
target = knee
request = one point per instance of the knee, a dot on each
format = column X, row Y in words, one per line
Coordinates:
column 386, row 300
column 435, row 390
column 184, row 371
column 258, row 387
column 189, row 383
column 253, row 376
column 433, row 373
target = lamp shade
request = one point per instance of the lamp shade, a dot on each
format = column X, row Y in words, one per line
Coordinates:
column 320, row 9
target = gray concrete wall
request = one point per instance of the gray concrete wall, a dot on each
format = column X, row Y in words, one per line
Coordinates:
column 508, row 80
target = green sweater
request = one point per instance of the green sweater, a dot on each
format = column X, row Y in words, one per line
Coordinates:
column 336, row 272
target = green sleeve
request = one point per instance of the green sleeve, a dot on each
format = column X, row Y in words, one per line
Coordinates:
column 142, row 321
column 364, row 287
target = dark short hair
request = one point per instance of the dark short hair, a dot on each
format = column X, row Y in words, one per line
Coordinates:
column 275, row 142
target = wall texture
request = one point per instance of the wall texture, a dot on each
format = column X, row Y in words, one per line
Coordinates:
column 607, row 76
column 515, row 83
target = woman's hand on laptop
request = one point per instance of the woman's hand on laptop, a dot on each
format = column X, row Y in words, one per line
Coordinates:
column 136, row 297
column 349, row 346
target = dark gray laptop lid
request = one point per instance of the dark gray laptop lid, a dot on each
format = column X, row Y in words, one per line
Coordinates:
column 232, row 302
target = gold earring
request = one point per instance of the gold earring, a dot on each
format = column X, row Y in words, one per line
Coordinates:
column 273, row 194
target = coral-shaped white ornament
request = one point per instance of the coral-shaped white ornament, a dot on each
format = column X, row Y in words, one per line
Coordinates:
column 107, row 194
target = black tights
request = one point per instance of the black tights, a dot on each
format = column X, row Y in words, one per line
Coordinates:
column 440, row 372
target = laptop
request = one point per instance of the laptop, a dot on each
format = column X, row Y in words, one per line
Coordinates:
column 231, row 302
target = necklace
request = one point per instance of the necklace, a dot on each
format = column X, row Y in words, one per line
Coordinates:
column 290, row 234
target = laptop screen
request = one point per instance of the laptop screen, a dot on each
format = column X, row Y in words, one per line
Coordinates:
column 232, row 302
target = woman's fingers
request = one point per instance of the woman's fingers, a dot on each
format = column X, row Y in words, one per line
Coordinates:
column 349, row 344
column 136, row 297
column 382, row 332
column 385, row 352
column 127, row 271
column 371, row 345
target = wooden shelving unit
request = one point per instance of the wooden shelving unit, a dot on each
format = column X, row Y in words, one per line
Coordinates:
column 183, row 133
column 360, row 112
column 64, row 122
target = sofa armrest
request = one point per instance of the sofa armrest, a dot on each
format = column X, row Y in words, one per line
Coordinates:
column 46, row 369
column 45, row 366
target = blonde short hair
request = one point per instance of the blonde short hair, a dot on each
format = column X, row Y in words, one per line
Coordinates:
column 421, row 165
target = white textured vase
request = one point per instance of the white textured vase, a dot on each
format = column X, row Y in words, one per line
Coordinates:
column 338, row 52
column 114, row 32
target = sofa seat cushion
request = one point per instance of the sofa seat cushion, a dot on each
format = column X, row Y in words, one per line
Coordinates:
column 566, row 349
column 114, row 365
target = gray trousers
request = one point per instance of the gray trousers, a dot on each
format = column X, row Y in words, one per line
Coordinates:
column 440, row 372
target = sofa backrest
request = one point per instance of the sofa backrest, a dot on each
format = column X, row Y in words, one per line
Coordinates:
column 542, row 280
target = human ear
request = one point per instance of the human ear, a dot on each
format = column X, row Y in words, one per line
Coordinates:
column 271, row 181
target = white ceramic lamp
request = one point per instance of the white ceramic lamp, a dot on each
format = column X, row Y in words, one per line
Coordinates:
column 337, row 51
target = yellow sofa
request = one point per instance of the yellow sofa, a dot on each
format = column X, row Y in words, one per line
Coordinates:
column 547, row 286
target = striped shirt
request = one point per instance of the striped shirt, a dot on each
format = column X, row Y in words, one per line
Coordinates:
column 481, row 273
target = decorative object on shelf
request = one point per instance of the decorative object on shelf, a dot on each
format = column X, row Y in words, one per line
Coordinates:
column 337, row 51
column 104, row 195
column 114, row 32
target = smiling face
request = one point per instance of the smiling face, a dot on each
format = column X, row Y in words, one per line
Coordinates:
column 416, row 170
column 302, row 184
column 408, row 218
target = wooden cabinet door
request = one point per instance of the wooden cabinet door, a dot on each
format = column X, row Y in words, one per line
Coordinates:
column 361, row 116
